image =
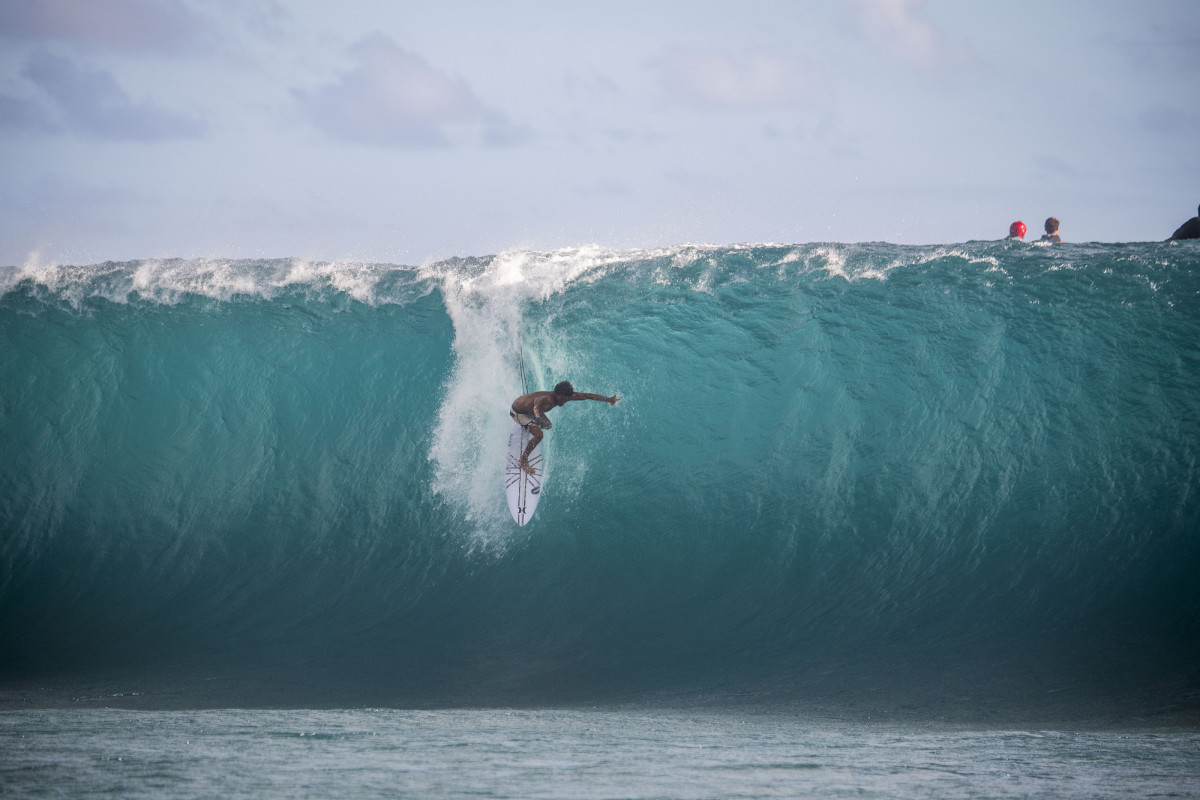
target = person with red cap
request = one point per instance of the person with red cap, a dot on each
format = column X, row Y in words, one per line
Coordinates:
column 1016, row 230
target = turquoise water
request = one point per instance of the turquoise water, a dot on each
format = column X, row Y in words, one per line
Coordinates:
column 852, row 475
column 573, row 755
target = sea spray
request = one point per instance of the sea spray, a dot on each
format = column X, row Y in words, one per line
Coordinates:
column 486, row 302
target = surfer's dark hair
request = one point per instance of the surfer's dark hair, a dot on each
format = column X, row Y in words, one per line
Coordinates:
column 565, row 389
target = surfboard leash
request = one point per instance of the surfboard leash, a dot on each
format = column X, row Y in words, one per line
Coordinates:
column 521, row 347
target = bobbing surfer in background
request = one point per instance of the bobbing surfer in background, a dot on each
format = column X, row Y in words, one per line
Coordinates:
column 529, row 411
column 1051, row 234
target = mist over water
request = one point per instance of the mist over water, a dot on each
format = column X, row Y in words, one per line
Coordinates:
column 834, row 467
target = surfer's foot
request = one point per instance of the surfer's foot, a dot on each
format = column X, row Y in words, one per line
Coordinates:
column 525, row 465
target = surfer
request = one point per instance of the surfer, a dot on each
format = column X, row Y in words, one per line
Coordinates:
column 529, row 411
column 1051, row 234
column 1189, row 229
column 1016, row 230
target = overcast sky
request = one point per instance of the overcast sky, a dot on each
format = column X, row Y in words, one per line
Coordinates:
column 402, row 132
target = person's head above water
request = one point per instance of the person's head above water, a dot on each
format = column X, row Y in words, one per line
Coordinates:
column 1016, row 230
column 564, row 389
column 1052, row 225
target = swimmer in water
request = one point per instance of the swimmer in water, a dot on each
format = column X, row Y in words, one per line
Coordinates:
column 1051, row 234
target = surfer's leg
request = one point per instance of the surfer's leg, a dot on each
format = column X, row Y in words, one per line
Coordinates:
column 535, row 437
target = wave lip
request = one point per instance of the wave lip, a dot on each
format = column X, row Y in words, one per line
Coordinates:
column 171, row 281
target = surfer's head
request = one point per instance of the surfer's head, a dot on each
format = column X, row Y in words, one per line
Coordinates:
column 1051, row 225
column 1017, row 230
column 563, row 392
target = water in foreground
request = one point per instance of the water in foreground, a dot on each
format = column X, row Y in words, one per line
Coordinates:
column 569, row 754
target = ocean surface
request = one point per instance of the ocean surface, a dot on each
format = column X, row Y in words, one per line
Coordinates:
column 569, row 755
column 846, row 487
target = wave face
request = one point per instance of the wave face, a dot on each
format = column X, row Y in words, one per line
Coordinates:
column 850, row 461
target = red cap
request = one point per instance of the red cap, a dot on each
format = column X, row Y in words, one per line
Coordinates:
column 1017, row 229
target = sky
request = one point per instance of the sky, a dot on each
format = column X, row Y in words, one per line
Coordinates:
column 403, row 132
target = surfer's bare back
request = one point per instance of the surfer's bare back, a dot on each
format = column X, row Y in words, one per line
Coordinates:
column 529, row 411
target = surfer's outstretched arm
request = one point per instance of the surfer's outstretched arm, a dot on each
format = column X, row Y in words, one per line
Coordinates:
column 612, row 401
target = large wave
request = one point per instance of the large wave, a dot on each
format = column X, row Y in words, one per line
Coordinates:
column 826, row 457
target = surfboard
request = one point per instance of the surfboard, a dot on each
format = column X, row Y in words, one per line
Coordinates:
column 523, row 490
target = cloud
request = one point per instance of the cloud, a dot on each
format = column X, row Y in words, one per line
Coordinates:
column 1053, row 165
column 1165, row 120
column 607, row 188
column 1170, row 44
column 24, row 114
column 394, row 98
column 717, row 80
column 89, row 103
column 895, row 26
column 127, row 26
column 265, row 19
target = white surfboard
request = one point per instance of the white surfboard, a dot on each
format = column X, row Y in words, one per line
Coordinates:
column 523, row 489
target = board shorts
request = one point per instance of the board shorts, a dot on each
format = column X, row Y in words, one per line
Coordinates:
column 525, row 420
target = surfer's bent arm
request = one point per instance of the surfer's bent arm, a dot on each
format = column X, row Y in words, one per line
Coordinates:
column 540, row 405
